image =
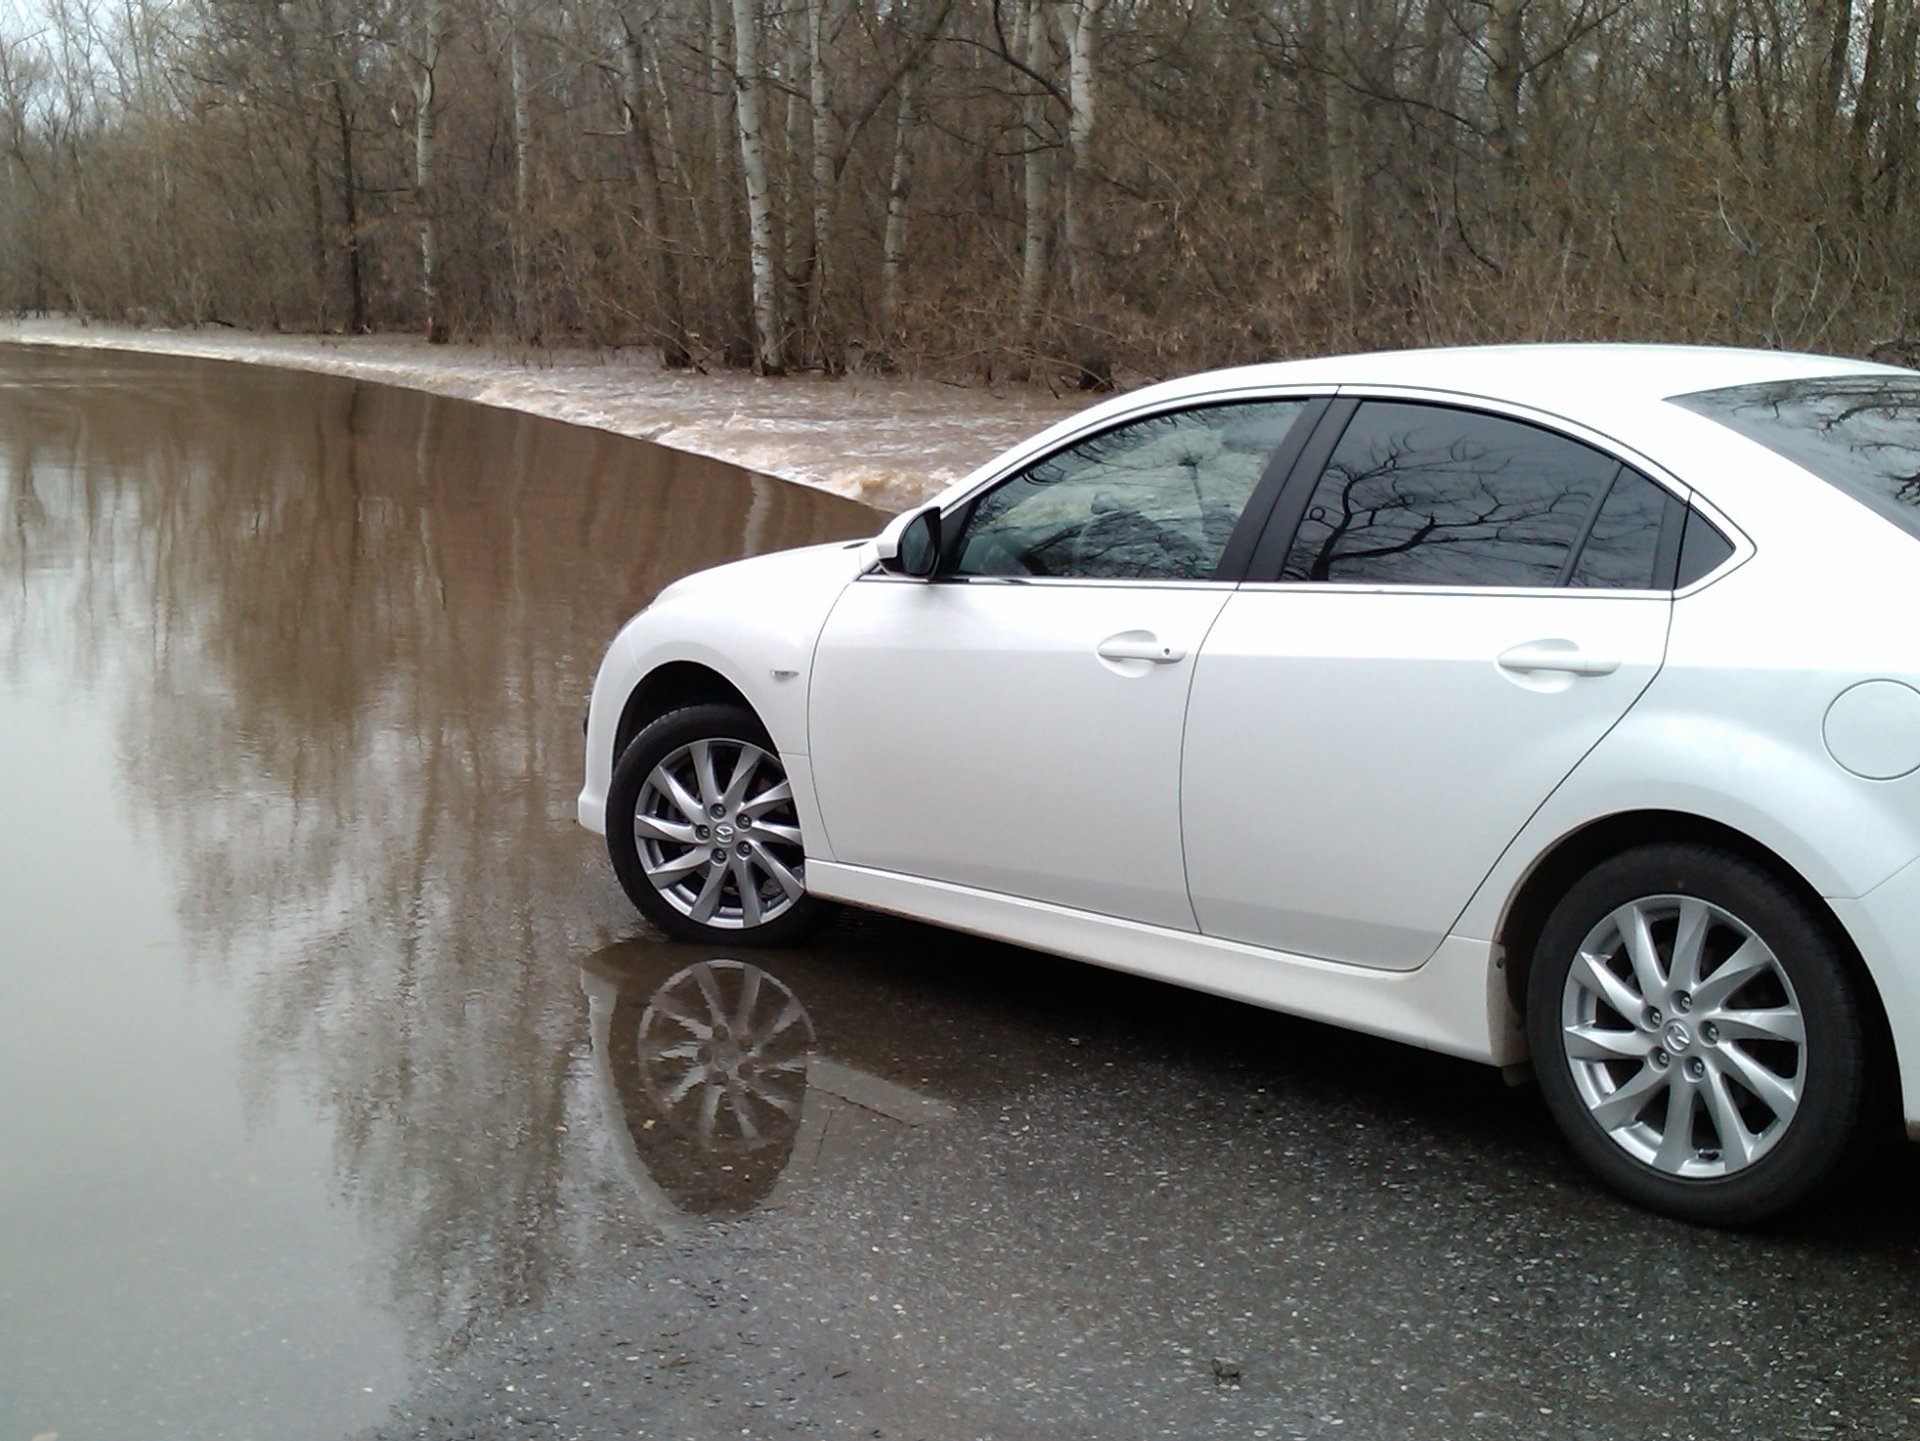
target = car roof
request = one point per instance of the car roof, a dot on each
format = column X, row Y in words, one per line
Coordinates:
column 1613, row 389
column 1579, row 381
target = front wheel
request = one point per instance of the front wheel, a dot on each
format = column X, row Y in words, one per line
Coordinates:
column 1698, row 1035
column 703, row 833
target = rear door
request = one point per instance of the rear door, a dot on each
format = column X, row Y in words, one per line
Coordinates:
column 1457, row 606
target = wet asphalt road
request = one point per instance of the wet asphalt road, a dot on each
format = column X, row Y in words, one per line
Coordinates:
column 1155, row 1215
column 341, row 1093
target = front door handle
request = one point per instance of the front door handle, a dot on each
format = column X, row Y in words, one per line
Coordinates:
column 1556, row 655
column 1139, row 645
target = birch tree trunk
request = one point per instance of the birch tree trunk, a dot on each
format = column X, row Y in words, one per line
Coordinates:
column 1090, row 346
column 426, row 124
column 522, row 170
column 819, row 96
column 734, row 279
column 786, row 75
column 899, row 191
column 1036, row 184
column 767, row 356
column 1083, row 112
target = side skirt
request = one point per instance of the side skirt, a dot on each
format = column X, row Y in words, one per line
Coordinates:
column 1456, row 1003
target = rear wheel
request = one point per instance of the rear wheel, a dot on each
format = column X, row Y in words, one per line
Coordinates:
column 703, row 832
column 1698, row 1035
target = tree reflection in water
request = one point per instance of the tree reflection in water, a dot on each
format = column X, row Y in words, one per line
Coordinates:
column 356, row 627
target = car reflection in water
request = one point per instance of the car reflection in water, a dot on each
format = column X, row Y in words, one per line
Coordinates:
column 717, row 1099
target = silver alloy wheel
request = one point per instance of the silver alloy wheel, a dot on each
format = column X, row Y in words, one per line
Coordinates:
column 1684, row 1037
column 723, row 852
column 724, row 1048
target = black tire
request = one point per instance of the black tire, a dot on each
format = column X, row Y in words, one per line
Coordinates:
column 1722, row 1153
column 667, row 877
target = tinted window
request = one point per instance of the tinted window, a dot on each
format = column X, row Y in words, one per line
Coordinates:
column 1623, row 547
column 1859, row 432
column 1702, row 550
column 1154, row 500
column 1425, row 495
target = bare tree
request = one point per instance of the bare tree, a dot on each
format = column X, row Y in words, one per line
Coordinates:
column 769, row 357
column 899, row 192
column 426, row 39
column 1068, row 188
column 662, row 247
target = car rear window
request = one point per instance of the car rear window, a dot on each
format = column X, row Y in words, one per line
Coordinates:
column 1858, row 432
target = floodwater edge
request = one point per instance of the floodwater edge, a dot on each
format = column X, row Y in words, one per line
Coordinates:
column 882, row 440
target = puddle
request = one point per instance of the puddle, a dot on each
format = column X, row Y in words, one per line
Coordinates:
column 714, row 1084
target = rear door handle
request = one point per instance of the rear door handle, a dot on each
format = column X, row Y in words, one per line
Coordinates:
column 1139, row 645
column 1556, row 655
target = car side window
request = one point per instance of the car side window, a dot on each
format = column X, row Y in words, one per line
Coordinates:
column 1429, row 495
column 1703, row 550
column 1622, row 547
column 1152, row 500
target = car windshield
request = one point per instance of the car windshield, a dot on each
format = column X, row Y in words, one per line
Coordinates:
column 1858, row 432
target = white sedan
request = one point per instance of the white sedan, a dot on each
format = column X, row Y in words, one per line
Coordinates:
column 1529, row 703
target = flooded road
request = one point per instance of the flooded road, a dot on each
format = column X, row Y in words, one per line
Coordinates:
column 291, row 1018
column 342, row 1093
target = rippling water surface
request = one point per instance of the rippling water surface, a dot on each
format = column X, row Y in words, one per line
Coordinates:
column 293, row 1023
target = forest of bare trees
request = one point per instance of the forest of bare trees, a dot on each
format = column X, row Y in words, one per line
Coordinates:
column 970, row 186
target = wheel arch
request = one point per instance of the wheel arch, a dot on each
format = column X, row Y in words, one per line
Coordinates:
column 1582, row 849
column 668, row 687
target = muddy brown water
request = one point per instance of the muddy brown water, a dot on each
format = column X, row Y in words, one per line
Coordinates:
column 292, row 1019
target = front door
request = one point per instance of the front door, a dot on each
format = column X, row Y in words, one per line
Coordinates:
column 1015, row 725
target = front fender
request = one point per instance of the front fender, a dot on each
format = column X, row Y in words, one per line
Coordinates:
column 753, row 623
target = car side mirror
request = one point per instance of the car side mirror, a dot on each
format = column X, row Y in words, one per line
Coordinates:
column 910, row 545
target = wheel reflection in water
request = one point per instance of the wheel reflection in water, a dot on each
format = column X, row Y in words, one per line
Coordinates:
column 723, row 1052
